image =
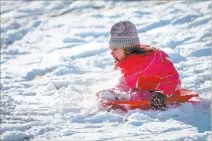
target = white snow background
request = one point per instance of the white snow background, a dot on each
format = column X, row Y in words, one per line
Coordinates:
column 55, row 57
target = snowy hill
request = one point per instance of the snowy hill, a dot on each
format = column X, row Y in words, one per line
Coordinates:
column 55, row 57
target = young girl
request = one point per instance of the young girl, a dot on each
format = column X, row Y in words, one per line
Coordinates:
column 148, row 73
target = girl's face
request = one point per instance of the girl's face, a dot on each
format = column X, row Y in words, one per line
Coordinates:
column 118, row 54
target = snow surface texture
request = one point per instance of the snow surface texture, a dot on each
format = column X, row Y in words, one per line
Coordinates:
column 55, row 57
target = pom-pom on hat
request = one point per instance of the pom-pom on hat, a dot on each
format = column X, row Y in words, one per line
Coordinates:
column 123, row 34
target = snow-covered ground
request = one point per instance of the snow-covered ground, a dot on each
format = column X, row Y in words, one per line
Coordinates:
column 55, row 57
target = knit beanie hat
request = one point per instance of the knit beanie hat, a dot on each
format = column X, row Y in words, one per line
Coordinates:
column 123, row 34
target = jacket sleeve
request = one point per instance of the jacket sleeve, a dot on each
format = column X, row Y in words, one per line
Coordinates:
column 121, row 86
column 149, row 83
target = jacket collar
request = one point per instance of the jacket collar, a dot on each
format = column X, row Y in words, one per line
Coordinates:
column 130, row 62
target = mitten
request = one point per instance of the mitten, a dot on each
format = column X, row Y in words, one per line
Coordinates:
column 158, row 101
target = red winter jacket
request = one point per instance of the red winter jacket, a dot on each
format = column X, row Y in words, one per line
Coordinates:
column 152, row 71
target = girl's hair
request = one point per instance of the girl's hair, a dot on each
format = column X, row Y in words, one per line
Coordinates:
column 138, row 50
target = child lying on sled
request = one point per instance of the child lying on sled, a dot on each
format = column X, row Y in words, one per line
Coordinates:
column 148, row 73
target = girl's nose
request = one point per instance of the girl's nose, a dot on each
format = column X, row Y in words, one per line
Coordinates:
column 112, row 52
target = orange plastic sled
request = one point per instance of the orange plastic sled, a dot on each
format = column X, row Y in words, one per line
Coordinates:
column 185, row 96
